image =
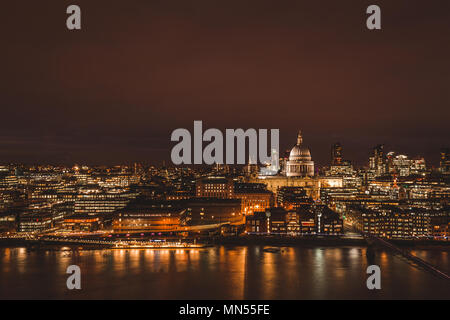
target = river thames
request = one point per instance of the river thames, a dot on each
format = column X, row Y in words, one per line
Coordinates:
column 222, row 272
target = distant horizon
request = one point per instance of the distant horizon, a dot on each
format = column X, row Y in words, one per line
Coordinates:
column 160, row 161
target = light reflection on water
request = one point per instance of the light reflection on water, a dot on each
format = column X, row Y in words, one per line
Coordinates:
column 218, row 273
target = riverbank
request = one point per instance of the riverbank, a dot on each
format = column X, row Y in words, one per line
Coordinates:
column 323, row 241
column 289, row 241
column 230, row 240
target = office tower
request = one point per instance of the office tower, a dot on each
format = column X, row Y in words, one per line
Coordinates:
column 336, row 154
column 377, row 162
column 444, row 165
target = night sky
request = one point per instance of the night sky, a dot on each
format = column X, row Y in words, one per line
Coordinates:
column 114, row 91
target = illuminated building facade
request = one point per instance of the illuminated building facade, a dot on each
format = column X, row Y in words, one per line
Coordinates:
column 253, row 196
column 83, row 223
column 328, row 221
column 440, row 223
column 93, row 203
column 292, row 197
column 144, row 220
column 8, row 221
column 213, row 211
column 215, row 187
column 402, row 166
column 392, row 222
column 256, row 223
column 35, row 222
column 308, row 220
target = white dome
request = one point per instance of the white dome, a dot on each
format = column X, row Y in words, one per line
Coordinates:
column 300, row 153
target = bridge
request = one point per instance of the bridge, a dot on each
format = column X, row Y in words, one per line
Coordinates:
column 35, row 242
column 407, row 255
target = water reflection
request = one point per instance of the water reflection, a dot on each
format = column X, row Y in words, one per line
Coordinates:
column 218, row 273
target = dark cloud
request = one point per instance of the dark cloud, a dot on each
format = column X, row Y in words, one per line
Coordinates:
column 137, row 70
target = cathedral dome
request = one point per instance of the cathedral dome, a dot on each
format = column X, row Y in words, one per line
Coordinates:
column 300, row 153
column 300, row 163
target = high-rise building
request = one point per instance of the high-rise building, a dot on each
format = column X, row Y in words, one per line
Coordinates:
column 377, row 162
column 444, row 164
column 336, row 154
column 402, row 166
column 340, row 167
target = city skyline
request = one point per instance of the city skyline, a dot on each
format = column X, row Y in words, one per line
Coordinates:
column 432, row 163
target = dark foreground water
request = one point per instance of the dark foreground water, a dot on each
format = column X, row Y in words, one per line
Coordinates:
column 219, row 273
